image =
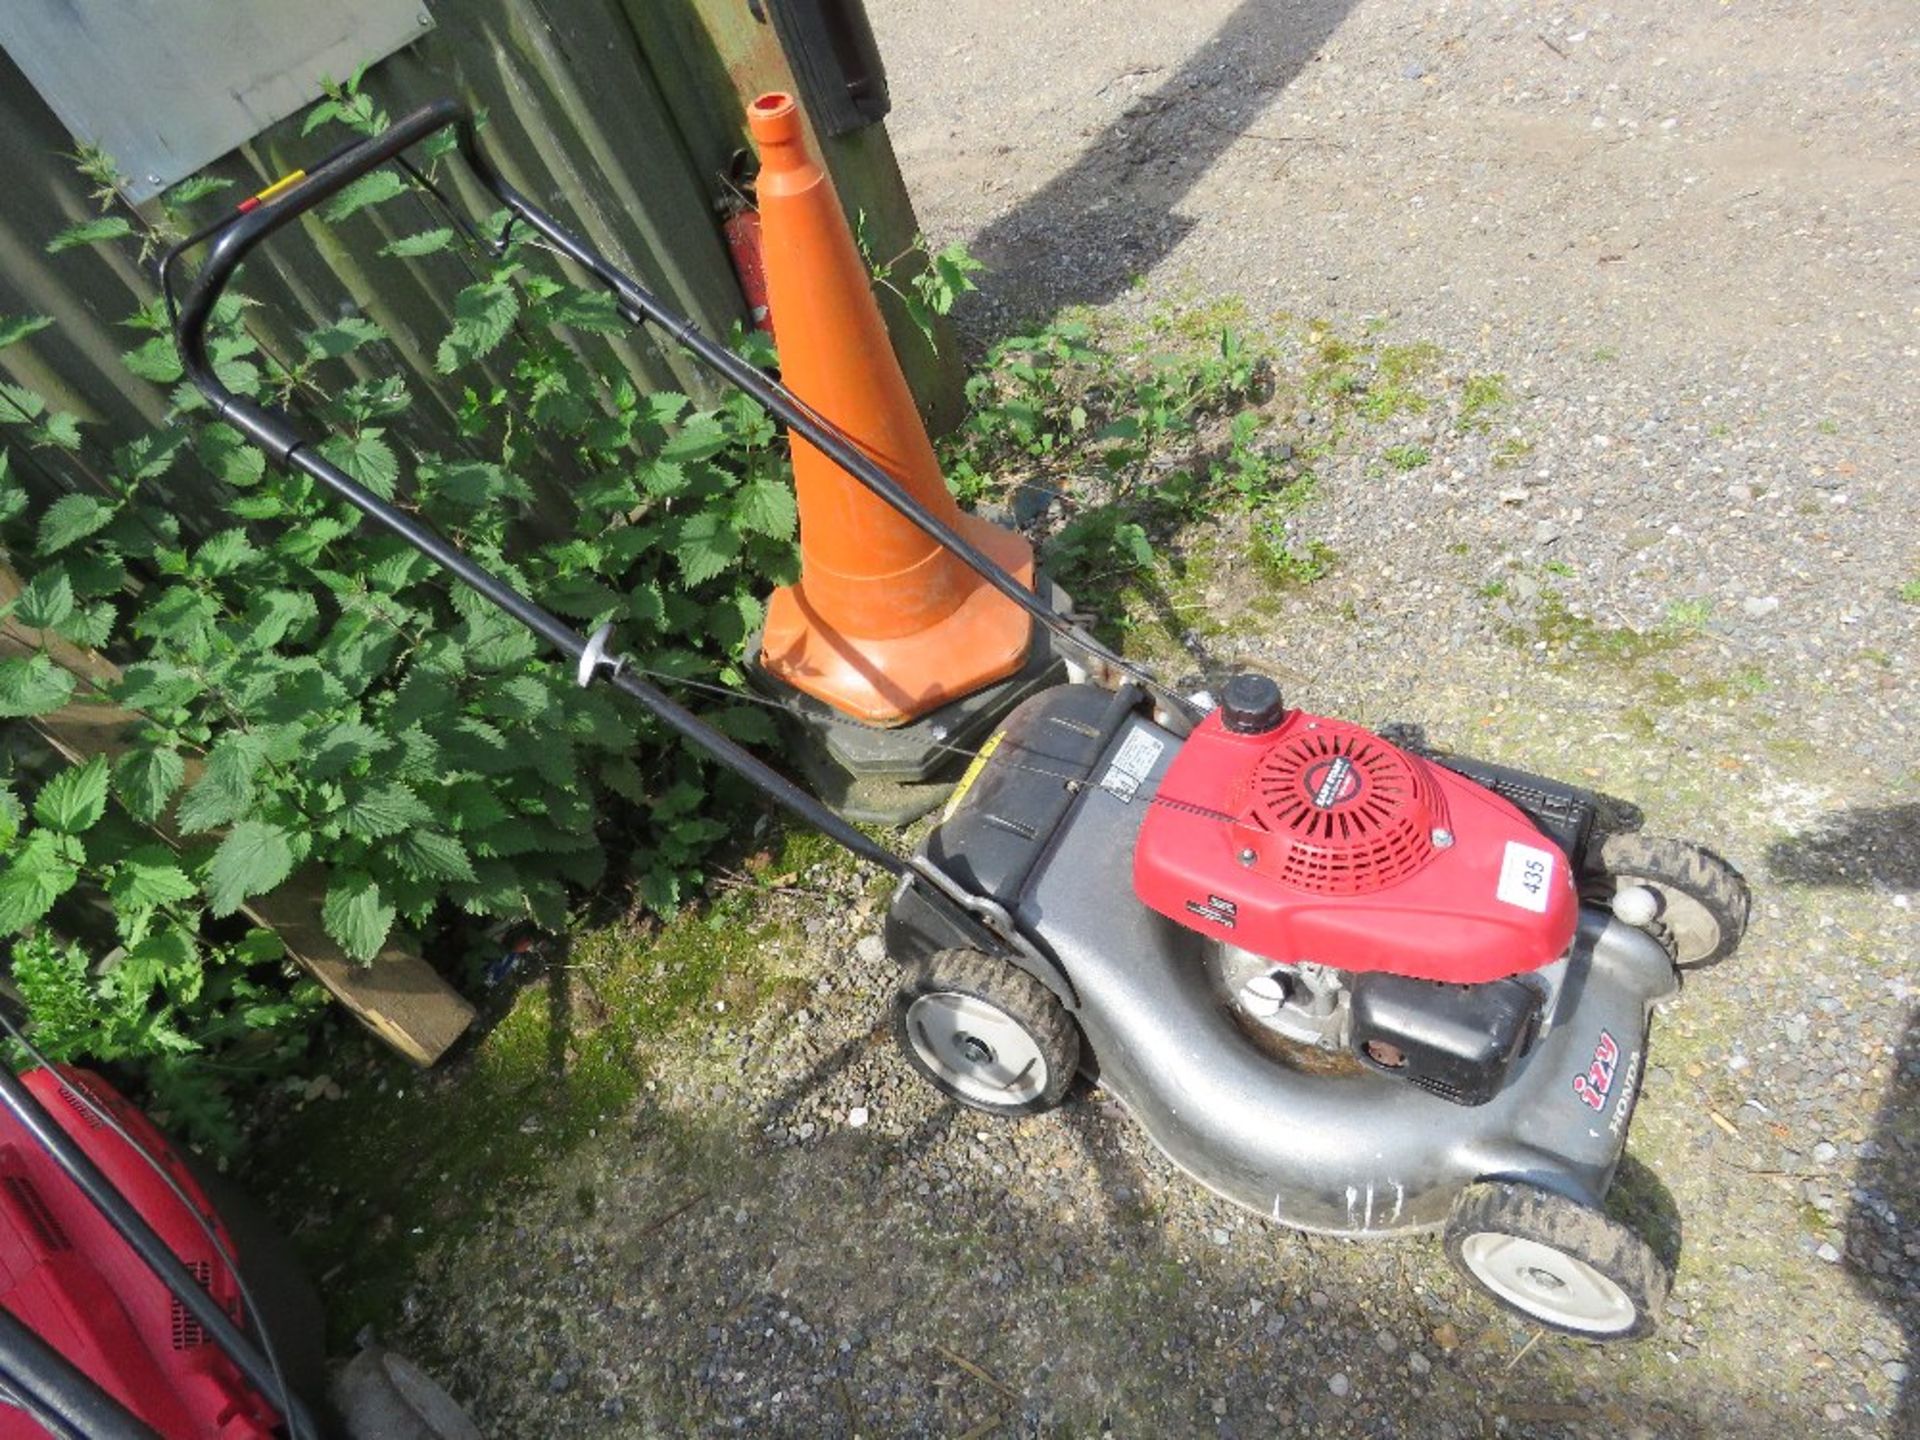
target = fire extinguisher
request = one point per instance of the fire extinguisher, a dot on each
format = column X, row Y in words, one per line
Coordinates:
column 740, row 228
column 742, row 231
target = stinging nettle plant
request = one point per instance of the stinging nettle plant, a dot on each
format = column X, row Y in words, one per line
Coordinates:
column 313, row 694
column 1128, row 446
column 314, row 697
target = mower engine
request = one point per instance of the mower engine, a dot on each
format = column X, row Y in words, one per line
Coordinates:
column 1364, row 899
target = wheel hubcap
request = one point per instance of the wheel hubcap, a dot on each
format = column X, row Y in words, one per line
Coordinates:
column 1547, row 1283
column 978, row 1050
column 1694, row 931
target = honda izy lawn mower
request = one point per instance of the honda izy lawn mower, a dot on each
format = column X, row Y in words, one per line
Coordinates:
column 1353, row 986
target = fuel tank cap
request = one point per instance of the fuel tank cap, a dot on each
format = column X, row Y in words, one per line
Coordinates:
column 1251, row 705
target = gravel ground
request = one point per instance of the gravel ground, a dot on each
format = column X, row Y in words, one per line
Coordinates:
column 1684, row 234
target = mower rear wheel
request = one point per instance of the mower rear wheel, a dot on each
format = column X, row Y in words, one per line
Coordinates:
column 985, row 1033
column 1702, row 899
column 1555, row 1262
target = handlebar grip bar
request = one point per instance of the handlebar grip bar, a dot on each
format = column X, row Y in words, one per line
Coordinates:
column 287, row 447
column 237, row 239
column 284, row 444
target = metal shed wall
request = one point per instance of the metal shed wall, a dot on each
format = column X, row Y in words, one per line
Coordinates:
column 621, row 116
column 616, row 115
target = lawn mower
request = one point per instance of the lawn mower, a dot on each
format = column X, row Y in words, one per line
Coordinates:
column 142, row 1297
column 1356, row 986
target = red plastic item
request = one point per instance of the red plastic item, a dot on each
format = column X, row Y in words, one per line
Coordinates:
column 1319, row 841
column 68, row 1275
column 1346, row 813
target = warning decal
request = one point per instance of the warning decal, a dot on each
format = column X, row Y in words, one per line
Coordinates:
column 1132, row 763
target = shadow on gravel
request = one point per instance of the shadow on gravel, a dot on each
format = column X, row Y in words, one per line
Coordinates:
column 818, row 1076
column 1854, row 847
column 1120, row 1193
column 1110, row 215
column 769, row 1270
column 958, row 1278
column 1641, row 1198
column 1883, row 1221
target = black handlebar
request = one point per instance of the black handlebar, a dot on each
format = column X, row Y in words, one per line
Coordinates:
column 275, row 434
column 278, row 437
column 235, row 240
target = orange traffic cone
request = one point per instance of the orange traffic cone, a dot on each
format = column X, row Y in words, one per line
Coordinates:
column 884, row 624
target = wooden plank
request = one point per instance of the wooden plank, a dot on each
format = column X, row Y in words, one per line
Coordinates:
column 399, row 996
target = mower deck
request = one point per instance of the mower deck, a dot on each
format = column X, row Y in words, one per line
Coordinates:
column 1047, row 829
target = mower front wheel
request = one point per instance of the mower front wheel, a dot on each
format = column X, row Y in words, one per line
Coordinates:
column 1700, row 901
column 985, row 1033
column 1556, row 1262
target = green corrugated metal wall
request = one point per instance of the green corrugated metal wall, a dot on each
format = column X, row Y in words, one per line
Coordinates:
column 618, row 114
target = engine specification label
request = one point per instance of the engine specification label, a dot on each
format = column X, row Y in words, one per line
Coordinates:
column 1526, row 877
column 1132, row 763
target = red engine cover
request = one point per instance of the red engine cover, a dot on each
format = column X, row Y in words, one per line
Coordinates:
column 1316, row 842
column 77, row 1284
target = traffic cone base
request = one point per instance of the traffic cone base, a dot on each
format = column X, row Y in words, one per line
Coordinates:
column 892, row 680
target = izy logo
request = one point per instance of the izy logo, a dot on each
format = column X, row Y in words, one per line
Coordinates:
column 1594, row 1086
